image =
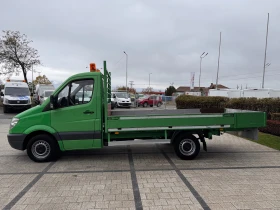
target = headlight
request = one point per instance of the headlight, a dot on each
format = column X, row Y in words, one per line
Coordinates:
column 6, row 101
column 14, row 122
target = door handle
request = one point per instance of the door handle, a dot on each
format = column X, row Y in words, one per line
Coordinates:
column 88, row 112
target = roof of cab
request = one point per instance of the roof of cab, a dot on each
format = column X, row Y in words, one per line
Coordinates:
column 16, row 84
column 85, row 74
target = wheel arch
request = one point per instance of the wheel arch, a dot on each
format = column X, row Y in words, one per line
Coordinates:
column 41, row 129
column 190, row 132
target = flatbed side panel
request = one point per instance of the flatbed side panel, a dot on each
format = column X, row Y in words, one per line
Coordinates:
column 250, row 120
column 160, row 121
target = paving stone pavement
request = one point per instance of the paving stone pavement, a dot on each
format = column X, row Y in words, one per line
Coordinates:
column 233, row 174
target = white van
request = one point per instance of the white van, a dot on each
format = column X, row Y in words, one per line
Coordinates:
column 45, row 95
column 16, row 95
column 122, row 99
column 39, row 91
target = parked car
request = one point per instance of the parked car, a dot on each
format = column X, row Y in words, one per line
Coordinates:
column 122, row 99
column 150, row 101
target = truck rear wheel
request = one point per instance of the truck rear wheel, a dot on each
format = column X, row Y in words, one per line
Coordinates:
column 186, row 146
column 42, row 148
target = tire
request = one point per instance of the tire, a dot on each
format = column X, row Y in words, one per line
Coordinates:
column 45, row 145
column 186, row 146
column 159, row 104
column 145, row 104
column 151, row 105
column 5, row 109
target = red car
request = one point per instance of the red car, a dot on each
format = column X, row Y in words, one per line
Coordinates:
column 150, row 101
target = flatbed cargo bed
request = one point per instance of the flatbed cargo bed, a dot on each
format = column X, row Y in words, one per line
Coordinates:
column 136, row 120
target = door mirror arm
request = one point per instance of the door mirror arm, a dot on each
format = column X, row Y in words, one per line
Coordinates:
column 53, row 102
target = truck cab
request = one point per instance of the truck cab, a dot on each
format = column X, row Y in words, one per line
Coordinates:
column 16, row 96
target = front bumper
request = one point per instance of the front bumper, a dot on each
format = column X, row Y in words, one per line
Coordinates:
column 21, row 106
column 16, row 141
column 124, row 104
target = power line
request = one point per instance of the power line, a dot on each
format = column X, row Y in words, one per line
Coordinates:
column 131, row 84
column 119, row 60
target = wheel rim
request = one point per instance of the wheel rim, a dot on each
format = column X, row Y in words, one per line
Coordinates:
column 41, row 149
column 145, row 104
column 187, row 147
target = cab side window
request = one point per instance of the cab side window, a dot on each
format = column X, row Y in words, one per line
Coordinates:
column 76, row 93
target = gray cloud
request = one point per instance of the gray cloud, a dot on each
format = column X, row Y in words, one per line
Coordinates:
column 164, row 38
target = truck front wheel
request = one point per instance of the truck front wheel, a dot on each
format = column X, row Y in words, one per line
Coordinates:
column 42, row 148
column 186, row 146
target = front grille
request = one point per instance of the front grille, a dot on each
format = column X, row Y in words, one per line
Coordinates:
column 18, row 101
column 124, row 104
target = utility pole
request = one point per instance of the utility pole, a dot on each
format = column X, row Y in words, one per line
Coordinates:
column 219, row 61
column 126, row 70
column 32, row 81
column 131, row 84
column 149, row 83
column 264, row 63
column 201, row 57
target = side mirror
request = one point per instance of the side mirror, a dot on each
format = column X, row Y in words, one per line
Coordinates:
column 2, row 94
column 115, row 96
column 52, row 102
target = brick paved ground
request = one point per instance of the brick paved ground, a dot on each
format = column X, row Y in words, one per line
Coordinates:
column 233, row 174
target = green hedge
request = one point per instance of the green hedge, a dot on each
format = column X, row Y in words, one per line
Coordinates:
column 268, row 105
column 275, row 116
column 192, row 102
column 272, row 127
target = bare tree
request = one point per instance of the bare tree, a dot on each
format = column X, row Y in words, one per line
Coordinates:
column 16, row 55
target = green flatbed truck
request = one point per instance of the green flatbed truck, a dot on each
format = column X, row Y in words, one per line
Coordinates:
column 66, row 122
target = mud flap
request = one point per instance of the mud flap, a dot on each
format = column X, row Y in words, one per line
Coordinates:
column 202, row 139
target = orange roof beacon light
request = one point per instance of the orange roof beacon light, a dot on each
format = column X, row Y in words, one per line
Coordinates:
column 92, row 67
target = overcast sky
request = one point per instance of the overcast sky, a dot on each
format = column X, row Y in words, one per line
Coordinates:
column 162, row 37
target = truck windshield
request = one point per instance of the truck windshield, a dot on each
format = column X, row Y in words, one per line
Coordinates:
column 15, row 91
column 121, row 95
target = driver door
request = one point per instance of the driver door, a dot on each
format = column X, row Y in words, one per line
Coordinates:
column 74, row 118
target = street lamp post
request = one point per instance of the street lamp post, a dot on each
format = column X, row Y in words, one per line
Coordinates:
column 264, row 65
column 201, row 57
column 149, row 83
column 126, row 70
